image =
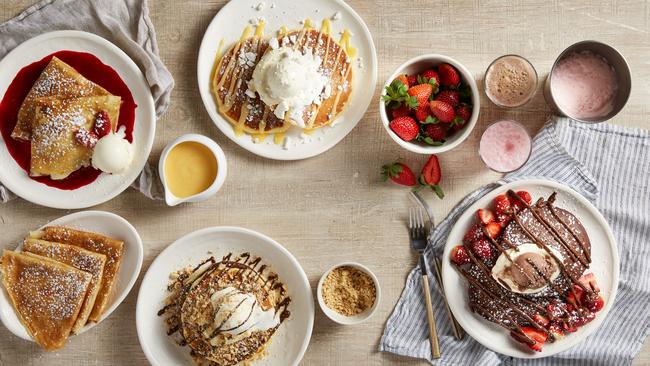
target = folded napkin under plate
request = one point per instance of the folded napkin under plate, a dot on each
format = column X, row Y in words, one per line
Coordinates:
column 610, row 166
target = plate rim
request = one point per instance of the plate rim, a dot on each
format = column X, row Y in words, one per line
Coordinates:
column 208, row 100
column 147, row 100
column 117, row 301
column 447, row 269
column 220, row 229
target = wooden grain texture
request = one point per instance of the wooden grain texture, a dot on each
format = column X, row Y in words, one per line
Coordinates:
column 333, row 207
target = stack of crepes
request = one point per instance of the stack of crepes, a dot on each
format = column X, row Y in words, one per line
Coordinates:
column 59, row 115
column 61, row 280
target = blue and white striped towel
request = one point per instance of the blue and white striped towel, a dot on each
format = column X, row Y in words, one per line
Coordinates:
column 610, row 166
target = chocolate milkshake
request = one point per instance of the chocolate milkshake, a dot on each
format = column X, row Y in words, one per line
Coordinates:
column 510, row 81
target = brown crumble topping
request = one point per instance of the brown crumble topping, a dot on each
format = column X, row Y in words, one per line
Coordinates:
column 348, row 291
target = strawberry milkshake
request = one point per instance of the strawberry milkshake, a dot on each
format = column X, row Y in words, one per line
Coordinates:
column 584, row 85
column 505, row 146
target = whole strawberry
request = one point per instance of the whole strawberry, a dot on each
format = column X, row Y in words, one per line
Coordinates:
column 437, row 131
column 449, row 76
column 431, row 74
column 404, row 79
column 401, row 111
column 442, row 110
column 405, row 127
column 449, row 96
column 102, row 124
column 431, row 175
column 421, row 92
column 464, row 111
column 412, row 80
column 399, row 173
column 422, row 112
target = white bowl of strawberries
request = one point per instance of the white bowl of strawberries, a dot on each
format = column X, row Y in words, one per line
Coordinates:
column 430, row 104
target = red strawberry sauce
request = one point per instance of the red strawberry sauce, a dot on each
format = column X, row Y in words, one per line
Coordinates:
column 94, row 70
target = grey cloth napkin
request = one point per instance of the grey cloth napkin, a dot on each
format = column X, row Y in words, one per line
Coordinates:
column 610, row 166
column 125, row 23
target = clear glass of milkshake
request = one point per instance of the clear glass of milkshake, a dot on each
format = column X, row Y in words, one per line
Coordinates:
column 510, row 81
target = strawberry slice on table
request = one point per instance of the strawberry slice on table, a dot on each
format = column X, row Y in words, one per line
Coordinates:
column 485, row 215
column 401, row 111
column 431, row 175
column 482, row 248
column 537, row 336
column 442, row 110
column 421, row 93
column 399, row 173
column 459, row 255
column 448, row 96
column 405, row 127
column 449, row 76
column 437, row 131
column 474, row 233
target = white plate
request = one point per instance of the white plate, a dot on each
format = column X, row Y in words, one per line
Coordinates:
column 106, row 186
column 605, row 266
column 228, row 25
column 101, row 222
column 288, row 344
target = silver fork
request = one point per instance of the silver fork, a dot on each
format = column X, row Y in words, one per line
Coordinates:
column 418, row 239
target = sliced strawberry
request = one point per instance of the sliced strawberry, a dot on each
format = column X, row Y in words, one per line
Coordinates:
column 482, row 248
column 431, row 74
column 399, row 173
column 449, row 76
column 525, row 196
column 596, row 305
column 568, row 326
column 404, row 79
column 422, row 112
column 405, row 127
column 541, row 320
column 437, row 131
column 493, row 229
column 412, row 80
column 556, row 309
column 464, row 112
column 485, row 215
column 502, row 205
column 102, row 124
column 517, row 204
column 474, row 233
column 459, row 255
column 401, row 111
column 86, row 138
column 449, row 96
column 421, row 92
column 556, row 331
column 576, row 297
column 431, row 171
column 442, row 110
column 533, row 334
column 589, row 281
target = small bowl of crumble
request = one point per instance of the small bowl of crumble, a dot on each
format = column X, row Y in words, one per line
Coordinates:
column 348, row 293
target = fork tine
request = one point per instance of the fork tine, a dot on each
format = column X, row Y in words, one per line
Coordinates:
column 410, row 218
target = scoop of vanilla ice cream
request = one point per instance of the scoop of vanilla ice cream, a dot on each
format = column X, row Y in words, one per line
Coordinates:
column 238, row 312
column 289, row 80
column 113, row 153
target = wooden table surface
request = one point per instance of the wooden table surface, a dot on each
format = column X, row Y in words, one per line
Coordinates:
column 334, row 207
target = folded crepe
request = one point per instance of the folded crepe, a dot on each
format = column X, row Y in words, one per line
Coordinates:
column 47, row 295
column 57, row 79
column 79, row 258
column 113, row 250
column 56, row 149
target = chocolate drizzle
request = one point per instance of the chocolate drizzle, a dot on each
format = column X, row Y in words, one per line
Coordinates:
column 190, row 312
column 547, row 227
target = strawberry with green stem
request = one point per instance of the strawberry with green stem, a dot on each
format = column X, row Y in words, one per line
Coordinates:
column 431, row 175
column 399, row 173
